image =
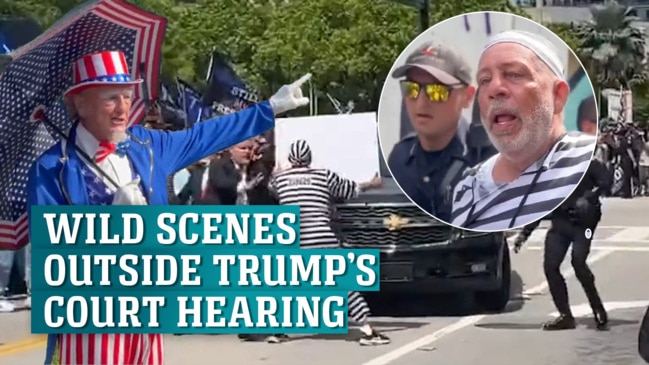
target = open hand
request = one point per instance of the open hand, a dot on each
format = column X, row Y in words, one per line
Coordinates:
column 376, row 181
column 519, row 241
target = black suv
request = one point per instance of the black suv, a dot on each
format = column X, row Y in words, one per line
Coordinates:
column 420, row 254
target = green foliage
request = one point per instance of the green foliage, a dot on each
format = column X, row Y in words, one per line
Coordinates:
column 565, row 32
column 348, row 45
column 613, row 46
column 641, row 104
column 450, row 8
column 45, row 12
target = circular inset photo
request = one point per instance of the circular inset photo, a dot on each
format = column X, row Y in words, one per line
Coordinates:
column 488, row 121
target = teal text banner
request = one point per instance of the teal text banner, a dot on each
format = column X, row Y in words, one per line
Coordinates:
column 186, row 312
column 274, row 226
column 151, row 268
column 133, row 269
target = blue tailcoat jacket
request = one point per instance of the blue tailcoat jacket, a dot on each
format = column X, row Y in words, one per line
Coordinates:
column 55, row 178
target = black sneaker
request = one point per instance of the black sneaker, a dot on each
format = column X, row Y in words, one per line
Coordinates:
column 562, row 322
column 374, row 339
column 244, row 337
column 601, row 320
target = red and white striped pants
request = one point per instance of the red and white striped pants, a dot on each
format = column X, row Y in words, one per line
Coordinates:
column 111, row 349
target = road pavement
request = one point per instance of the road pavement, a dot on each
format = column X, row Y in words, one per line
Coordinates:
column 423, row 332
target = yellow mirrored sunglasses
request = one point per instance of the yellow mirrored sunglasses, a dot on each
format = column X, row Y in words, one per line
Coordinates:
column 435, row 92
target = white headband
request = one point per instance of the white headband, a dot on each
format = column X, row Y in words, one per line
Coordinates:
column 541, row 47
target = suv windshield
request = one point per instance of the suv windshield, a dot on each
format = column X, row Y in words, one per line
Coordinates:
column 383, row 167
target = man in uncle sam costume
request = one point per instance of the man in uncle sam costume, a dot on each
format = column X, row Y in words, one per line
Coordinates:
column 104, row 161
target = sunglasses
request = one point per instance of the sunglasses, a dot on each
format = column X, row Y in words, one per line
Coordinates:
column 438, row 93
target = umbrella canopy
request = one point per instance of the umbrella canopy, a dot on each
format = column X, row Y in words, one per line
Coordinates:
column 31, row 86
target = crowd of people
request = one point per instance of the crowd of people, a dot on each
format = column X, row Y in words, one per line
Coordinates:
column 248, row 174
column 624, row 150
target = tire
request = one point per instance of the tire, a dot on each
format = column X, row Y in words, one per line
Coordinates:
column 643, row 337
column 496, row 301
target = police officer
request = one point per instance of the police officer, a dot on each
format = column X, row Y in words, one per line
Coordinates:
column 574, row 222
column 436, row 85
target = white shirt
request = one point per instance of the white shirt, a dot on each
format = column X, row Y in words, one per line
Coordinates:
column 206, row 176
column 117, row 167
column 242, row 192
column 181, row 178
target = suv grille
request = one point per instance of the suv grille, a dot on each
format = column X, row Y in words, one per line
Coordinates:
column 365, row 225
column 374, row 212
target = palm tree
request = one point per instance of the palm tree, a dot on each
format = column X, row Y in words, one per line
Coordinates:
column 613, row 46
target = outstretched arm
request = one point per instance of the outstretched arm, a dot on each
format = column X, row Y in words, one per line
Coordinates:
column 179, row 149
column 342, row 188
column 182, row 148
column 525, row 234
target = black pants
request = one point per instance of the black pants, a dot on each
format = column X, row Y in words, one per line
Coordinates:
column 557, row 241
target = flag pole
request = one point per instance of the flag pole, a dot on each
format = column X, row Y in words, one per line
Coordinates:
column 145, row 93
column 311, row 108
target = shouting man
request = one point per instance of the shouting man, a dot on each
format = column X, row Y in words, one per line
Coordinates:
column 522, row 93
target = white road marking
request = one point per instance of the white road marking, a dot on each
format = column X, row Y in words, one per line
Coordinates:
column 546, row 225
column 626, row 234
column 617, row 227
column 538, row 235
column 632, row 234
column 583, row 310
column 464, row 322
column 603, row 248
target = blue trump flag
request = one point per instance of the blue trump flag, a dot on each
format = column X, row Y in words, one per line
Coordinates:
column 4, row 44
column 17, row 32
column 226, row 91
column 189, row 101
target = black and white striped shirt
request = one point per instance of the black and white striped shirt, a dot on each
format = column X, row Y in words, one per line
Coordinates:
column 481, row 204
column 313, row 190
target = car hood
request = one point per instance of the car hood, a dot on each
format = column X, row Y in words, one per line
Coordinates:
column 389, row 192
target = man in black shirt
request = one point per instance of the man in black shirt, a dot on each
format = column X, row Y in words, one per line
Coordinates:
column 573, row 223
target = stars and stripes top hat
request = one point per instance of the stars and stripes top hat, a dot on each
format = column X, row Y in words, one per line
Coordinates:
column 102, row 68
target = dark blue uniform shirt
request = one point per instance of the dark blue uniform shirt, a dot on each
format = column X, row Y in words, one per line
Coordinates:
column 420, row 173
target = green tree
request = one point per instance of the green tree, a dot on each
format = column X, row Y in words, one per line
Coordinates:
column 45, row 12
column 348, row 45
column 566, row 33
column 450, row 8
column 613, row 46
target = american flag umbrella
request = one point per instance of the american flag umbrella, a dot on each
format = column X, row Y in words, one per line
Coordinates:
column 31, row 112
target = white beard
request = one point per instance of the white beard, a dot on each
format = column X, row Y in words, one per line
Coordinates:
column 535, row 130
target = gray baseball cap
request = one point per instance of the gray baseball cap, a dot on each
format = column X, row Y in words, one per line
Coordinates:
column 441, row 61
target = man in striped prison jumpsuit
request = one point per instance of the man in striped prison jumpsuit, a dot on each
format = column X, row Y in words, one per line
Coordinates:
column 314, row 190
column 522, row 97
